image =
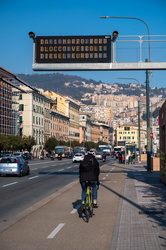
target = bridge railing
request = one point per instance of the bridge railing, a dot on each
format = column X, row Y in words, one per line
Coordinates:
column 131, row 49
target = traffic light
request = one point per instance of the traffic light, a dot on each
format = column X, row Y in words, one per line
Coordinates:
column 32, row 35
column 114, row 35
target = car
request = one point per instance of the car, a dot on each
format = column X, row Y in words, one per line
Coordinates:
column 69, row 155
column 26, row 156
column 100, row 156
column 78, row 157
column 18, row 154
column 14, row 165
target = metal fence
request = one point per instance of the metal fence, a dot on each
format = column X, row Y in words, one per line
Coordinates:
column 131, row 49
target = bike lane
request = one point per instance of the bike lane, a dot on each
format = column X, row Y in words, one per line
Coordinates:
column 56, row 222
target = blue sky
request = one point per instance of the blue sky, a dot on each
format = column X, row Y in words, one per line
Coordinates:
column 56, row 18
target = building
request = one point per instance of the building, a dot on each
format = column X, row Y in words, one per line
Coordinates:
column 162, row 124
column 73, row 107
column 70, row 108
column 85, row 127
column 35, row 118
column 95, row 132
column 9, row 114
column 130, row 134
column 59, row 125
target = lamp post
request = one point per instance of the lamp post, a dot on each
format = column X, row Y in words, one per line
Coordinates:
column 139, row 130
column 148, row 151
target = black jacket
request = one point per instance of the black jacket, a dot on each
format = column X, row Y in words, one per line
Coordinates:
column 93, row 173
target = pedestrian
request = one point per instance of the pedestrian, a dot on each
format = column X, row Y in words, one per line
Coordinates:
column 89, row 171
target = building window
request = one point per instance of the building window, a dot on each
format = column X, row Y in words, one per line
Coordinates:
column 126, row 128
column 21, row 107
column 20, row 119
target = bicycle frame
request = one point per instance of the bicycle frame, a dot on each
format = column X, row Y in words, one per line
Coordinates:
column 88, row 204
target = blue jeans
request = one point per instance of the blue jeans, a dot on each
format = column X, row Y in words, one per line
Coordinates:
column 94, row 190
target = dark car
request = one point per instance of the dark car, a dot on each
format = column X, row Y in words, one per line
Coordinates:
column 14, row 165
column 27, row 156
column 69, row 155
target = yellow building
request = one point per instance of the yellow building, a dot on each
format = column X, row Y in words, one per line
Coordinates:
column 130, row 134
column 70, row 108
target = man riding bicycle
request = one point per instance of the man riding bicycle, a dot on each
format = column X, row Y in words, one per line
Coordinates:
column 89, row 171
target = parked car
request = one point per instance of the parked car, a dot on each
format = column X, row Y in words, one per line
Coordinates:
column 14, row 165
column 27, row 156
column 18, row 154
column 78, row 157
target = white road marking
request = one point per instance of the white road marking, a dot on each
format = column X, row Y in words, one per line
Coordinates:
column 68, row 167
column 104, row 178
column 9, row 184
column 45, row 167
column 33, row 177
column 33, row 169
column 75, row 209
column 55, row 231
column 60, row 170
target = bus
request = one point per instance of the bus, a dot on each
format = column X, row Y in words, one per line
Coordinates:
column 62, row 149
column 105, row 148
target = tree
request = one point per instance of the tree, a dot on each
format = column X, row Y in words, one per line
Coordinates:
column 28, row 142
column 50, row 144
column 3, row 142
column 15, row 142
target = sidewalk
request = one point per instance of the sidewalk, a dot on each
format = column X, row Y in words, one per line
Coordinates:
column 141, row 220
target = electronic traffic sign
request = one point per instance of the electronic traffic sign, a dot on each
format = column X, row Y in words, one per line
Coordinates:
column 72, row 49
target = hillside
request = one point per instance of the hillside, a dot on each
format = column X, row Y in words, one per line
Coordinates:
column 77, row 87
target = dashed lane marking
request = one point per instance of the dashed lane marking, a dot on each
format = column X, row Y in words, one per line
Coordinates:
column 75, row 209
column 9, row 184
column 60, row 170
column 55, row 231
column 33, row 177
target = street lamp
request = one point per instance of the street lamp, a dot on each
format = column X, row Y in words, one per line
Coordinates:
column 139, row 130
column 105, row 17
column 148, row 151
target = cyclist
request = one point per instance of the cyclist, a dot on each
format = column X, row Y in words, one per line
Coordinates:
column 89, row 171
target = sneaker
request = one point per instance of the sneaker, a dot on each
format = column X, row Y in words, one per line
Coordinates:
column 95, row 205
column 83, row 207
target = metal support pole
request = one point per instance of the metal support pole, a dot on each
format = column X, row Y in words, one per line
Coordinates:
column 139, row 131
column 148, row 150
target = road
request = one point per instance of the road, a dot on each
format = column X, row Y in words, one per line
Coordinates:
column 54, row 219
column 46, row 177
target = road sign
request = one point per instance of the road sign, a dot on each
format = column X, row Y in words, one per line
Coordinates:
column 72, row 49
column 151, row 135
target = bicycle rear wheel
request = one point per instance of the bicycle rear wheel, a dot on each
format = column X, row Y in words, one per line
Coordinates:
column 87, row 214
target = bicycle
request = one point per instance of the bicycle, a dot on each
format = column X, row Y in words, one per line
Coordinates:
column 88, row 209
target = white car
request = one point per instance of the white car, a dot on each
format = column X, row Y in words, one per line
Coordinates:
column 78, row 157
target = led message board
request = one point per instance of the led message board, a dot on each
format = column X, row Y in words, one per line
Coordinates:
column 72, row 49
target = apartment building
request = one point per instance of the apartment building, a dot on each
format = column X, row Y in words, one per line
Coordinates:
column 130, row 134
column 85, row 127
column 59, row 125
column 105, row 133
column 102, row 113
column 73, row 107
column 162, row 124
column 34, row 118
column 70, row 108
column 7, row 114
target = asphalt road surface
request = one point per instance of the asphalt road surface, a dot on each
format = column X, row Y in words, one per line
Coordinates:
column 45, row 208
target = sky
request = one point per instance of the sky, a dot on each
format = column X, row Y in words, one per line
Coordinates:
column 71, row 18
